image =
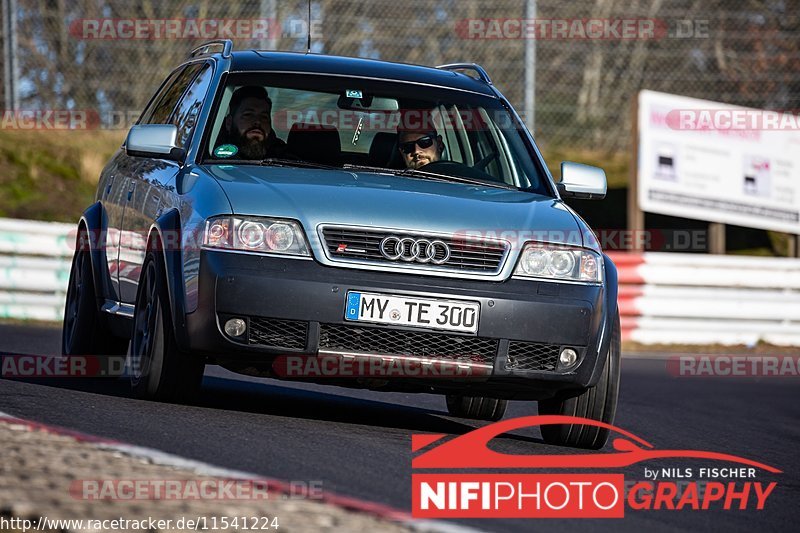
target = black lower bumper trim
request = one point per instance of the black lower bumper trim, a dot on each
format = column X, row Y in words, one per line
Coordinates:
column 521, row 330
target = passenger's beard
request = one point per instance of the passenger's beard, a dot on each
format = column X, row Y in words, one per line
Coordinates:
column 249, row 148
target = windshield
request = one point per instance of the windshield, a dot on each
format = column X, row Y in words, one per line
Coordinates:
column 369, row 126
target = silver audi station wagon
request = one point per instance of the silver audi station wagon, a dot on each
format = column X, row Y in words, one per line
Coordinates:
column 353, row 222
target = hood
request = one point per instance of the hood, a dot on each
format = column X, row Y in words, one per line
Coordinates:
column 315, row 197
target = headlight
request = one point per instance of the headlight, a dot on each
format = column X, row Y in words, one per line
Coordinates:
column 553, row 261
column 256, row 234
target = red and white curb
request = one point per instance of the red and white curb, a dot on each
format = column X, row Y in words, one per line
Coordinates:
column 158, row 457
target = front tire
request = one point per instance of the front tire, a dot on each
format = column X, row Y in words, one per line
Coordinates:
column 158, row 369
column 84, row 331
column 597, row 403
column 476, row 407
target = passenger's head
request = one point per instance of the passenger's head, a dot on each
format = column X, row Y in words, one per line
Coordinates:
column 249, row 123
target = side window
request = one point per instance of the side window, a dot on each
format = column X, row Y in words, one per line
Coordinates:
column 148, row 111
column 185, row 116
column 165, row 102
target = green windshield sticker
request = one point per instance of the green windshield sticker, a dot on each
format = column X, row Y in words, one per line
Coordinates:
column 225, row 150
column 353, row 93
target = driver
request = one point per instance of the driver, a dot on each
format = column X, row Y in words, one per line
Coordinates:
column 249, row 124
column 420, row 145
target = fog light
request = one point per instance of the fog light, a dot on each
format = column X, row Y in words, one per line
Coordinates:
column 568, row 357
column 235, row 327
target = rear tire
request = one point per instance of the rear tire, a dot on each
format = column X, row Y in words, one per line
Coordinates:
column 476, row 407
column 84, row 331
column 597, row 403
column 158, row 369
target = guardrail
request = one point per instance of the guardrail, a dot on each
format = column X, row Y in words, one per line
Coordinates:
column 35, row 259
column 664, row 298
column 670, row 298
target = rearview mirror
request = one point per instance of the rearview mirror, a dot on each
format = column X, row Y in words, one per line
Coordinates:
column 358, row 101
column 154, row 140
column 582, row 181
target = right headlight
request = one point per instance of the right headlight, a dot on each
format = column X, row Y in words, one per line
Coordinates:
column 559, row 262
column 256, row 234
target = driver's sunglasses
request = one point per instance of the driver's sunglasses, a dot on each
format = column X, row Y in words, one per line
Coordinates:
column 423, row 142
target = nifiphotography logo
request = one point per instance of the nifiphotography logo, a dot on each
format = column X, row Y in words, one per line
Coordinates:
column 501, row 487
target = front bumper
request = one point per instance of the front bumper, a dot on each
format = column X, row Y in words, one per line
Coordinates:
column 307, row 300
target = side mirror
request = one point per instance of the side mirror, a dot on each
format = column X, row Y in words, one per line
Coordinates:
column 154, row 140
column 582, row 181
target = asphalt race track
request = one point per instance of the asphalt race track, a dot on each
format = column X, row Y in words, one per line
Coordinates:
column 358, row 442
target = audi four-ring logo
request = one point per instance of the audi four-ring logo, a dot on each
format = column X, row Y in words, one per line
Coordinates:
column 419, row 250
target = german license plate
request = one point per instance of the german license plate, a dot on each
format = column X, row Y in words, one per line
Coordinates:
column 417, row 312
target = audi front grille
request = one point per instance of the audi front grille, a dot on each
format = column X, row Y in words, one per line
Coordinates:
column 382, row 247
column 428, row 345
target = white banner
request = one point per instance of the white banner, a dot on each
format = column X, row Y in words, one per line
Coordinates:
column 721, row 163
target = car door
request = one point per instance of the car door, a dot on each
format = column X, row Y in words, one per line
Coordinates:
column 112, row 194
column 115, row 192
column 153, row 185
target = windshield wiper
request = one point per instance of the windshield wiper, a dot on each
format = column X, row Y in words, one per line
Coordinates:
column 410, row 172
column 272, row 162
column 382, row 170
column 457, row 179
column 398, row 172
column 280, row 162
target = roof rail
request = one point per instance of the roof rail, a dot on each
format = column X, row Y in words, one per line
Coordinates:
column 226, row 44
column 484, row 77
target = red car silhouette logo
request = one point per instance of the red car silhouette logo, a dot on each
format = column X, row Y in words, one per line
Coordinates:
column 470, row 451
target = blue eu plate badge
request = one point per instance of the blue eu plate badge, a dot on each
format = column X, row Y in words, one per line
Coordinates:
column 353, row 304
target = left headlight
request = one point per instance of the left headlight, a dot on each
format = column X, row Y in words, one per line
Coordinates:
column 558, row 262
column 256, row 234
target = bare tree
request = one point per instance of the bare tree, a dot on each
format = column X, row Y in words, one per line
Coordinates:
column 749, row 55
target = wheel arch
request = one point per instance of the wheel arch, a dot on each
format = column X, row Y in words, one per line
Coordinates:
column 610, row 292
column 164, row 239
column 95, row 222
column 612, row 286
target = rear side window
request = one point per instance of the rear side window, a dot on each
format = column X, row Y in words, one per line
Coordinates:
column 160, row 110
column 148, row 111
column 185, row 116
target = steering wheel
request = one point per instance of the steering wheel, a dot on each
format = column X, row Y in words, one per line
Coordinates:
column 454, row 168
column 443, row 163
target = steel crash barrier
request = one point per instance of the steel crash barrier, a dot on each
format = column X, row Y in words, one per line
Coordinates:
column 35, row 259
column 664, row 298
